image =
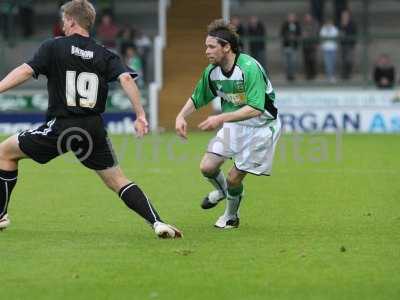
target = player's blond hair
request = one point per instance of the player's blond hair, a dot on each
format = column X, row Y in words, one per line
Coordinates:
column 82, row 11
column 224, row 32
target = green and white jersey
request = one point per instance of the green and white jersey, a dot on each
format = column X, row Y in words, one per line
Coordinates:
column 246, row 84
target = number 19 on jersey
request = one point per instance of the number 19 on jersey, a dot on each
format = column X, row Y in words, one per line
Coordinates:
column 86, row 85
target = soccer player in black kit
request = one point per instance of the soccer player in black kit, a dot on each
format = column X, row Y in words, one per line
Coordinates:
column 77, row 70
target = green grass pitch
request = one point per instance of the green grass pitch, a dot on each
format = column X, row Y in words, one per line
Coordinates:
column 324, row 226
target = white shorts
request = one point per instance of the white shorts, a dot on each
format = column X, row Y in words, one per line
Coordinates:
column 251, row 148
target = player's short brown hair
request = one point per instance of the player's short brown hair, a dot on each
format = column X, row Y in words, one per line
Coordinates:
column 225, row 33
column 82, row 11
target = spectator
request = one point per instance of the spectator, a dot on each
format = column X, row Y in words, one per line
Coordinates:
column 257, row 35
column 58, row 24
column 61, row 2
column 348, row 37
column 105, row 6
column 310, row 43
column 107, row 32
column 125, row 39
column 143, row 47
column 290, row 33
column 7, row 14
column 58, row 29
column 26, row 14
column 329, row 34
column 338, row 7
column 132, row 60
column 384, row 72
column 240, row 29
column 317, row 10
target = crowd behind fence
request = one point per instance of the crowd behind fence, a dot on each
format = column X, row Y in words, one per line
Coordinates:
column 314, row 47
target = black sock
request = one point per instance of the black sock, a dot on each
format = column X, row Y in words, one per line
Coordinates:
column 8, row 179
column 136, row 200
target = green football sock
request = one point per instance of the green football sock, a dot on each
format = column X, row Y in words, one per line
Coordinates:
column 233, row 200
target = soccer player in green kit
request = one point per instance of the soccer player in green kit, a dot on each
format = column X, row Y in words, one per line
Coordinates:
column 250, row 124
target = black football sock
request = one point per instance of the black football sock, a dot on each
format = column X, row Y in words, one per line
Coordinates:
column 8, row 179
column 136, row 200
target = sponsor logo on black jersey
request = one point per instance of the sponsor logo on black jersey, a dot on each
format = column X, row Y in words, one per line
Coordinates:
column 85, row 54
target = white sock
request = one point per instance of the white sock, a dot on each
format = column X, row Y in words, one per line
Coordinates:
column 219, row 182
column 215, row 196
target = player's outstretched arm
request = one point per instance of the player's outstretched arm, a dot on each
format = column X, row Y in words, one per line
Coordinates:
column 180, row 122
column 16, row 77
column 131, row 89
column 246, row 112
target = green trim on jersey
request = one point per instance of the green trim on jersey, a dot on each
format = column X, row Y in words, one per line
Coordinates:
column 202, row 94
column 247, row 84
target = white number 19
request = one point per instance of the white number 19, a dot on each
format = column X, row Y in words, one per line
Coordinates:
column 87, row 85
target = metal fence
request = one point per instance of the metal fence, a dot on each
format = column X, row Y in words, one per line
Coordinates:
column 377, row 33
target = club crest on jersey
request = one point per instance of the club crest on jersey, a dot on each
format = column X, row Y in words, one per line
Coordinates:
column 85, row 54
column 239, row 87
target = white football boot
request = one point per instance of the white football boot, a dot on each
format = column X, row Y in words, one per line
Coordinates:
column 4, row 222
column 166, row 231
column 227, row 222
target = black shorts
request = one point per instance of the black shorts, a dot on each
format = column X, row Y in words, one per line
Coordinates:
column 85, row 136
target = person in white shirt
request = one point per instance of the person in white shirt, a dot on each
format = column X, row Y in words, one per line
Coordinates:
column 329, row 34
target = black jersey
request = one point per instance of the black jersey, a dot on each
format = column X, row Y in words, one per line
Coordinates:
column 78, row 71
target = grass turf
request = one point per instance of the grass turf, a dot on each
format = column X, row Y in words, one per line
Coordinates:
column 325, row 226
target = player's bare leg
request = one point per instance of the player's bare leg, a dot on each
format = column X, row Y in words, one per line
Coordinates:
column 10, row 154
column 230, row 218
column 113, row 178
column 136, row 200
column 210, row 168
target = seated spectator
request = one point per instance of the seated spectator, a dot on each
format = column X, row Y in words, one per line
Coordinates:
column 107, row 32
column 143, row 47
column 133, row 60
column 58, row 24
column 384, row 72
column 125, row 39
column 58, row 29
